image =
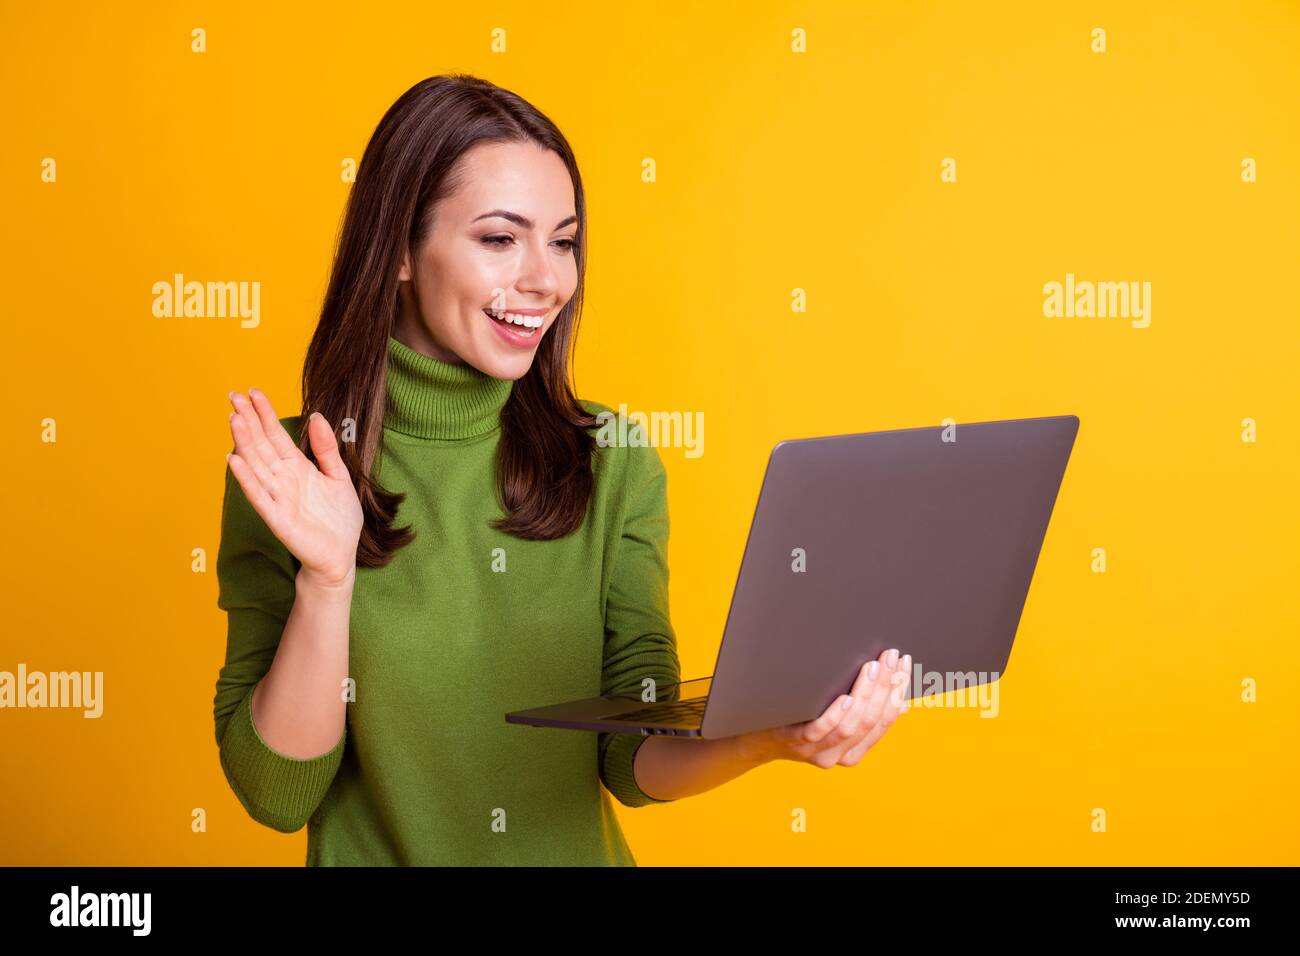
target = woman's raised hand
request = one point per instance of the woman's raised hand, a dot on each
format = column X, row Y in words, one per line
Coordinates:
column 853, row 723
column 314, row 511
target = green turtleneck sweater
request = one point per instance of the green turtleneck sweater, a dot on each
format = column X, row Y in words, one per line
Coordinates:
column 442, row 644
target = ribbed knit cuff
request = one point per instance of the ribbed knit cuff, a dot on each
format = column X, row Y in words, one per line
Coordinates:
column 277, row 791
column 616, row 769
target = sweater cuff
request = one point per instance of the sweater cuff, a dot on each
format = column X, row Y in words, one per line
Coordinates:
column 616, row 769
column 278, row 791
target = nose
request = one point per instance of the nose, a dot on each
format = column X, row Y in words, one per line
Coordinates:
column 537, row 271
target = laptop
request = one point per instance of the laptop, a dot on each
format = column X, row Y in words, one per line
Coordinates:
column 924, row 539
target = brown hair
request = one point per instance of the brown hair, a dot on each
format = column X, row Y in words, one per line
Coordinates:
column 543, row 464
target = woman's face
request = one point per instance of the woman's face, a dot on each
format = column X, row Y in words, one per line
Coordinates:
column 505, row 240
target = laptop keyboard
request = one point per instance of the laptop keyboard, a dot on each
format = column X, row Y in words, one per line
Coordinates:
column 664, row 713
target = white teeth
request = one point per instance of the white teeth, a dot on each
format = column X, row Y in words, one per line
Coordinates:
column 514, row 318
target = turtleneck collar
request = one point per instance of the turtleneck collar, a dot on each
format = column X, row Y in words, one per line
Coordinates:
column 436, row 400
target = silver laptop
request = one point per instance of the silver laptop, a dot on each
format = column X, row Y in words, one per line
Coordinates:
column 924, row 539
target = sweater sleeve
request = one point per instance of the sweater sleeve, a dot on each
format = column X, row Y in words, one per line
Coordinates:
column 639, row 637
column 256, row 581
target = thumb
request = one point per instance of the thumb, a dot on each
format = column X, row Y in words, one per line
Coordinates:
column 325, row 446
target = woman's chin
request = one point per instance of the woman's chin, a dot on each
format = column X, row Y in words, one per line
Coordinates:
column 504, row 363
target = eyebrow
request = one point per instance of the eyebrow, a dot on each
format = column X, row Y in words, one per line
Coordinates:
column 519, row 220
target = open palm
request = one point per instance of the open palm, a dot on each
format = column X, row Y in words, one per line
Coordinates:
column 314, row 512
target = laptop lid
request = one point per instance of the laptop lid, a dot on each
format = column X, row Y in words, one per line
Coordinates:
column 924, row 539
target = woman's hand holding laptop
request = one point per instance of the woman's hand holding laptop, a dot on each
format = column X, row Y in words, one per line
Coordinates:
column 853, row 722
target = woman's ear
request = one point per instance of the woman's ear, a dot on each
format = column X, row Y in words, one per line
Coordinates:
column 404, row 273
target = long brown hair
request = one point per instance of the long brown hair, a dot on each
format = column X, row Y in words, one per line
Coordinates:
column 543, row 465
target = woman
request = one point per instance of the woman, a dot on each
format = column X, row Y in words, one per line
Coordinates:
column 370, row 660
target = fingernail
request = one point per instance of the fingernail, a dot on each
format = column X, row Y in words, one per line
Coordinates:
column 251, row 390
column 848, row 702
column 891, row 659
column 231, row 396
column 907, row 662
column 232, row 416
column 873, row 669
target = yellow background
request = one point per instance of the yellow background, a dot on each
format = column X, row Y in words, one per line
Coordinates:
column 776, row 171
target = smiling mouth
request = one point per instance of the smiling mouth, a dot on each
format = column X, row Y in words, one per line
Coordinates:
column 520, row 326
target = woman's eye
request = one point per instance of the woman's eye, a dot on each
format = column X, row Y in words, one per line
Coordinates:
column 568, row 245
